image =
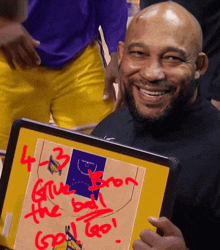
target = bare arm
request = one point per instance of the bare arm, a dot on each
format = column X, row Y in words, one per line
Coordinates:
column 15, row 10
column 16, row 45
column 113, row 19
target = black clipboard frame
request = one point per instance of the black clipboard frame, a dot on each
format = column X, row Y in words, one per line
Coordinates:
column 172, row 163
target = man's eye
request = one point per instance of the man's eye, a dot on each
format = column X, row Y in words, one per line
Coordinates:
column 136, row 53
column 173, row 59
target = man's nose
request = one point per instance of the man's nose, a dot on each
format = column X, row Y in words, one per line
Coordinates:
column 152, row 71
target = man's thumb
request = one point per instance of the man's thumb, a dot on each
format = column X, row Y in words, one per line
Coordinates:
column 35, row 43
column 165, row 225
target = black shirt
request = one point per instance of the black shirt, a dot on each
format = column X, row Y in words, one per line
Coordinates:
column 195, row 141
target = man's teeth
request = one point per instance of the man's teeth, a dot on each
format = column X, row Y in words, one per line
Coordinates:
column 152, row 93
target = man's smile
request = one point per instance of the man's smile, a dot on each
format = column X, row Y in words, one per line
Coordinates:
column 151, row 95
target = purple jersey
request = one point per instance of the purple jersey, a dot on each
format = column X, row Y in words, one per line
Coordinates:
column 65, row 27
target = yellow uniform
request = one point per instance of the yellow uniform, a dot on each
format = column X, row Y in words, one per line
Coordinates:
column 72, row 94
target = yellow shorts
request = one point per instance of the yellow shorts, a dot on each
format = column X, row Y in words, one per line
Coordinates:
column 73, row 94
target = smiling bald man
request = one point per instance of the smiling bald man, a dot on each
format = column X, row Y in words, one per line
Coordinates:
column 208, row 14
column 160, row 63
column 163, row 48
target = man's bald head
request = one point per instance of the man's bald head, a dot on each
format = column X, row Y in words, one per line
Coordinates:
column 171, row 15
column 161, row 56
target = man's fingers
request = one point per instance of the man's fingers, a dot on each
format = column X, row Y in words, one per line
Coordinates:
column 24, row 56
column 21, row 54
column 140, row 245
column 117, row 80
column 109, row 94
column 149, row 237
column 109, row 91
column 120, row 101
column 29, row 44
column 165, row 225
column 8, row 57
column 31, row 52
column 35, row 43
column 17, row 46
column 19, row 60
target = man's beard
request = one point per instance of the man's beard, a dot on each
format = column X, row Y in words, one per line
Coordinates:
column 170, row 118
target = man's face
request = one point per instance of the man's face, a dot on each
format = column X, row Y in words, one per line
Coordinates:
column 157, row 64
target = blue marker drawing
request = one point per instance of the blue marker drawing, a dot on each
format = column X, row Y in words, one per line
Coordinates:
column 53, row 166
column 78, row 177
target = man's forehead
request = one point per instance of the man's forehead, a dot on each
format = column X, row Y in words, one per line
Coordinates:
column 156, row 19
column 165, row 22
column 157, row 35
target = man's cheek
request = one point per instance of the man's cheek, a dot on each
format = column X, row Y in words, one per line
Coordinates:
column 130, row 67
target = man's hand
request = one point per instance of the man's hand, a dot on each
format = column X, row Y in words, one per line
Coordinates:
column 17, row 46
column 120, row 101
column 216, row 103
column 172, row 238
column 111, row 76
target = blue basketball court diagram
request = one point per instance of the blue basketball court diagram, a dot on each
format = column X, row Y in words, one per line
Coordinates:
column 78, row 178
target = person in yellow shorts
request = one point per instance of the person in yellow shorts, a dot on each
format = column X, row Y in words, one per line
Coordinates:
column 52, row 63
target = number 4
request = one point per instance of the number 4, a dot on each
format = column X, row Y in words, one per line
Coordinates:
column 29, row 159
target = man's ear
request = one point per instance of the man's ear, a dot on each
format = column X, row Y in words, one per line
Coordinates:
column 202, row 64
column 120, row 51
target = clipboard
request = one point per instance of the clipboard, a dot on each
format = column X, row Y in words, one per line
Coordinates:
column 63, row 190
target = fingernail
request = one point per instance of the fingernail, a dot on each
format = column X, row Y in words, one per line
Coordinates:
column 151, row 218
column 105, row 97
